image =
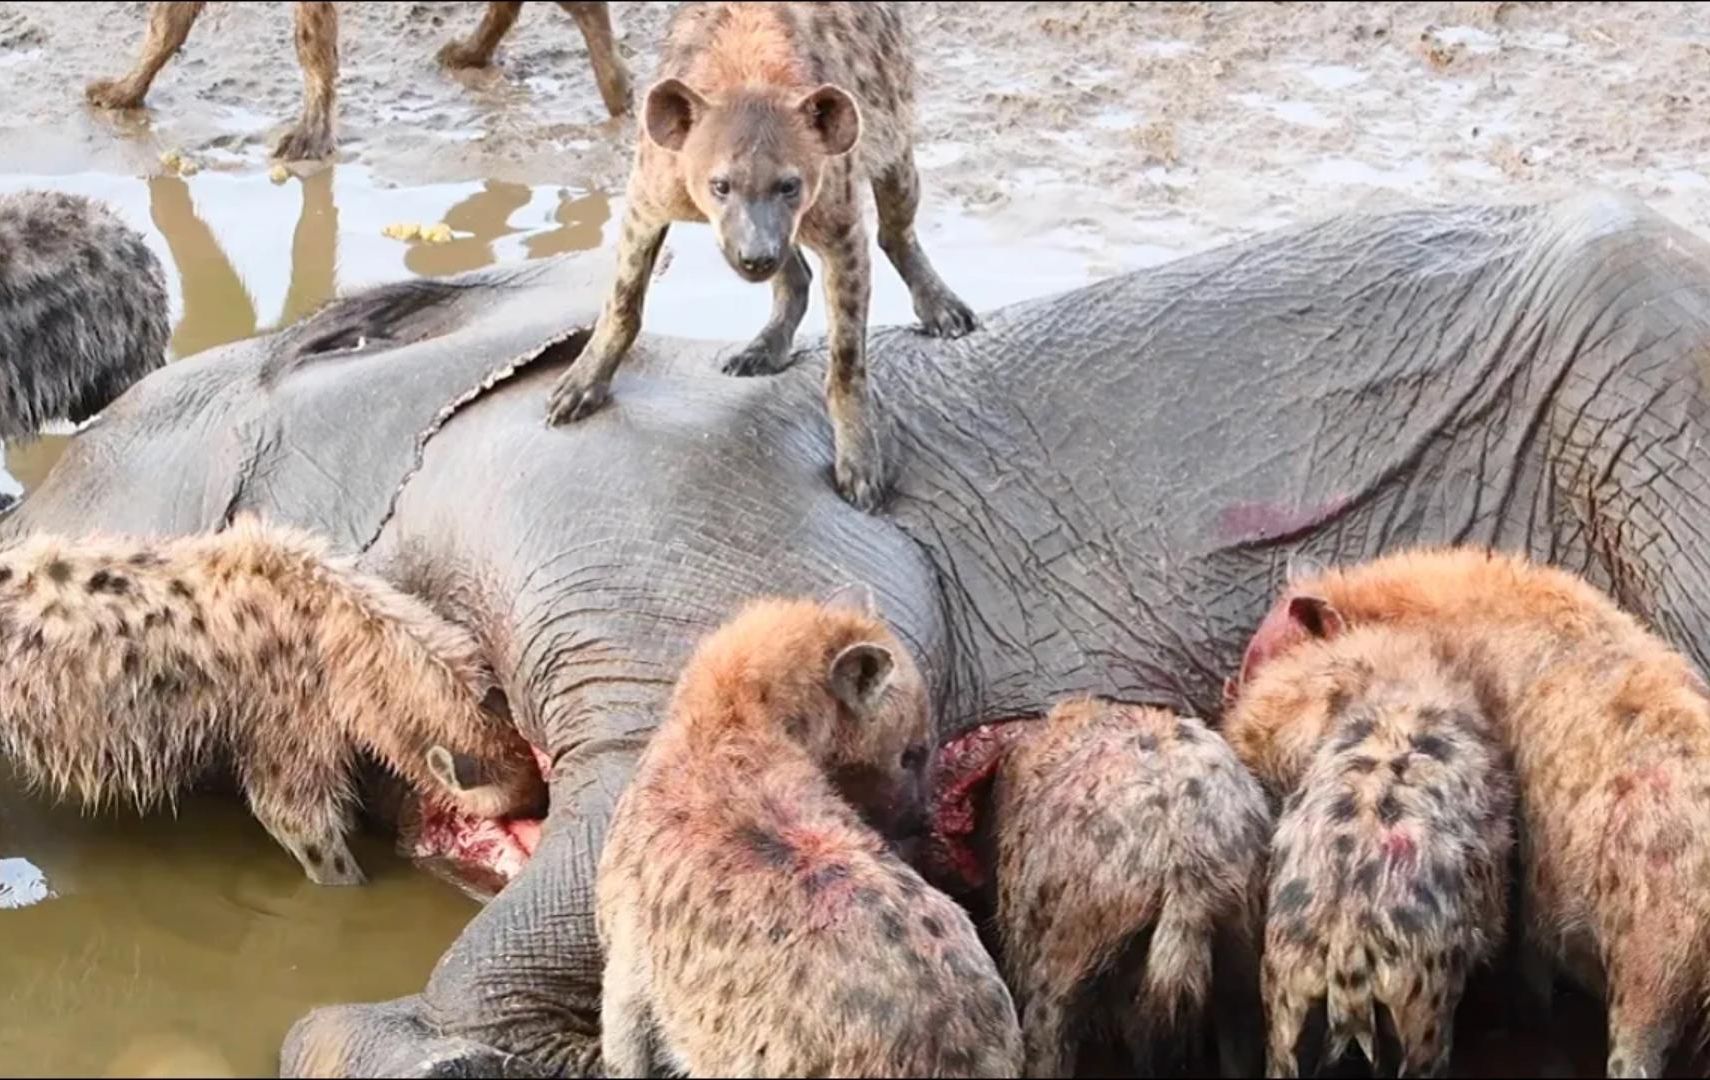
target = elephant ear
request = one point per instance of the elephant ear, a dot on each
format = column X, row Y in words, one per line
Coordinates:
column 1296, row 619
column 857, row 596
column 860, row 675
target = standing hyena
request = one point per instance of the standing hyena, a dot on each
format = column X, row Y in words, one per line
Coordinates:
column 1609, row 730
column 754, row 924
column 132, row 666
column 316, row 34
column 765, row 122
column 1130, row 849
column 1389, row 872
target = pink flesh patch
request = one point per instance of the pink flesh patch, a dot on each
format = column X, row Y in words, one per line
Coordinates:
column 474, row 847
column 962, row 767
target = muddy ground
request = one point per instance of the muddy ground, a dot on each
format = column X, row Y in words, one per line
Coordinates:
column 1059, row 143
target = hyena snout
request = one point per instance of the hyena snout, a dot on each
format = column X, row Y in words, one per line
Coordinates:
column 757, row 238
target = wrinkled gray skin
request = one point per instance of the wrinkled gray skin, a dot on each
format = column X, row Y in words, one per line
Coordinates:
column 1098, row 493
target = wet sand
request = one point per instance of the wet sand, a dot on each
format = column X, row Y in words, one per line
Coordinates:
column 1060, row 143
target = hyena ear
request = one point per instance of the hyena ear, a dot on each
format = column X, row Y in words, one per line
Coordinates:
column 860, row 675
column 671, row 110
column 857, row 596
column 454, row 772
column 495, row 703
column 1315, row 616
column 833, row 116
column 1300, row 618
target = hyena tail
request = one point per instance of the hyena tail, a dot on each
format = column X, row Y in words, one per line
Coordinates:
column 1179, row 965
column 1350, row 1012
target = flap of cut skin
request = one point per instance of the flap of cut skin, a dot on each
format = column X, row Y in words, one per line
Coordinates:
column 479, row 854
column 960, row 773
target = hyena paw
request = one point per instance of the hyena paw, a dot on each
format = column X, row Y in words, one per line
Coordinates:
column 761, row 357
column 575, row 396
column 942, row 314
column 331, row 865
column 860, row 478
column 460, row 54
column 113, row 94
column 305, row 142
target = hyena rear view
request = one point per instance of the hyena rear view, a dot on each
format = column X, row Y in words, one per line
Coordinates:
column 1389, row 871
column 766, row 120
column 754, row 923
column 132, row 666
column 1609, row 730
column 1130, row 847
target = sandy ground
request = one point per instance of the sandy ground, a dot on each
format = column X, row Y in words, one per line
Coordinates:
column 1059, row 143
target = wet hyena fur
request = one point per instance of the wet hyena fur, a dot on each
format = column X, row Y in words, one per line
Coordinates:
column 1609, row 730
column 315, row 32
column 133, row 666
column 765, row 120
column 754, row 923
column 1390, row 868
column 83, row 310
column 1130, row 849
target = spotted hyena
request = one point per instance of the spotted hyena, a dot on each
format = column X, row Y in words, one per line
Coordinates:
column 1390, row 868
column 755, row 923
column 132, row 666
column 83, row 310
column 1609, row 730
column 316, row 34
column 1129, row 847
column 766, row 120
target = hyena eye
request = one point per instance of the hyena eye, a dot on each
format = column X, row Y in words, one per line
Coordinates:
column 720, row 187
column 791, row 187
column 914, row 757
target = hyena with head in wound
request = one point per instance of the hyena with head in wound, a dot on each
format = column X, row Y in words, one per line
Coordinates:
column 133, row 666
column 1609, row 730
column 1390, row 868
column 83, row 310
column 766, row 120
column 315, row 31
column 1129, row 847
column 755, row 921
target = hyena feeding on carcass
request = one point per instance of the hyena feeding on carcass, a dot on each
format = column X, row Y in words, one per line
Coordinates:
column 756, row 919
column 766, row 120
column 134, row 666
column 1128, row 848
column 1609, row 731
column 1390, row 866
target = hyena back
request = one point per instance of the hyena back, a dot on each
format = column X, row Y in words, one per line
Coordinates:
column 754, row 923
column 1390, row 867
column 765, row 121
column 1130, row 847
column 132, row 666
column 1609, row 730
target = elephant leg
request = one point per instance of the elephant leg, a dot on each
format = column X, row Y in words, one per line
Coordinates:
column 518, row 993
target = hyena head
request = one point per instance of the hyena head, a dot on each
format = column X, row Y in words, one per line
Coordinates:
column 753, row 162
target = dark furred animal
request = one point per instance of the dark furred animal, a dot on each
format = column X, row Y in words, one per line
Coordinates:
column 765, row 121
column 1130, row 848
column 83, row 310
column 130, row 667
column 754, row 924
column 1389, row 871
column 1610, row 734
column 316, row 36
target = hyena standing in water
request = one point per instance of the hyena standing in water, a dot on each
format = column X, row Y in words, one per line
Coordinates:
column 765, row 121
column 1390, row 868
column 315, row 31
column 133, row 666
column 1609, row 729
column 755, row 921
column 1130, row 851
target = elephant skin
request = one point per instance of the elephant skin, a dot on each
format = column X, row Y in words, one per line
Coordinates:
column 1098, row 492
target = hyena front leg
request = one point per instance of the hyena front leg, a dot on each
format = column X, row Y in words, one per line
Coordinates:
column 476, row 51
column 626, row 1012
column 311, row 137
column 301, row 795
column 896, row 196
column 168, row 25
column 855, row 423
column 587, row 385
column 769, row 352
column 610, row 72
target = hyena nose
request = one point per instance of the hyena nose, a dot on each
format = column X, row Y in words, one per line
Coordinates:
column 759, row 266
